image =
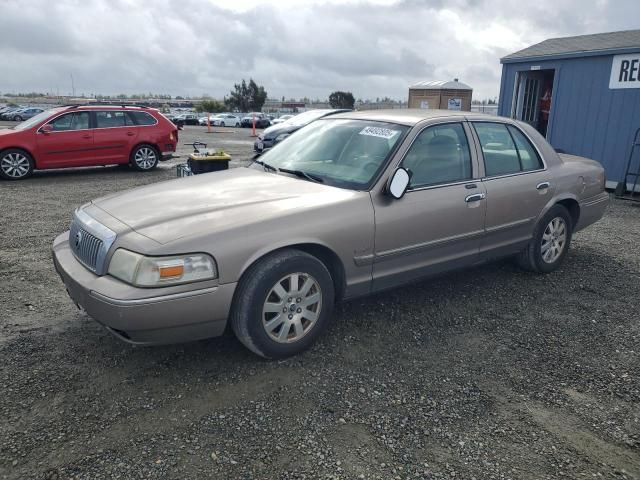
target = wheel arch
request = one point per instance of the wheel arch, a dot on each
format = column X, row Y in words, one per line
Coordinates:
column 149, row 143
column 26, row 150
column 323, row 253
column 572, row 205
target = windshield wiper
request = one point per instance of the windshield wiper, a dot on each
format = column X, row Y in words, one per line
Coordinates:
column 266, row 166
column 301, row 174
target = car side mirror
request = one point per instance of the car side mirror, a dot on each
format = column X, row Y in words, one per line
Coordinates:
column 398, row 183
column 46, row 129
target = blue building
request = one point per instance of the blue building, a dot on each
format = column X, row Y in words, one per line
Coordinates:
column 582, row 93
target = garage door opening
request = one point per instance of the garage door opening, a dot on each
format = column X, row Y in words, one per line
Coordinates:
column 532, row 97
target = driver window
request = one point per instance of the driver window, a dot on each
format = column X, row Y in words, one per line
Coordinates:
column 439, row 154
column 71, row 121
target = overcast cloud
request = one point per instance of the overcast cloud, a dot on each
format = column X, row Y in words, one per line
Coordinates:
column 294, row 48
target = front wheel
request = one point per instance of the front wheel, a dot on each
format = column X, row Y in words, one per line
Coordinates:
column 237, row 124
column 550, row 242
column 15, row 164
column 17, row 118
column 222, row 124
column 144, row 158
column 283, row 304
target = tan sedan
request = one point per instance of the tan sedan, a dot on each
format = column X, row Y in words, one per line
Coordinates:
column 347, row 206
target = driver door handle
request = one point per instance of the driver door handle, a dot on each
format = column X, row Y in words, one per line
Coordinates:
column 476, row 197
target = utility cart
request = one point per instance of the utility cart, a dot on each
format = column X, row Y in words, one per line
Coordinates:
column 203, row 161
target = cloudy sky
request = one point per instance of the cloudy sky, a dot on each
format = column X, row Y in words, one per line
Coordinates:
column 374, row 48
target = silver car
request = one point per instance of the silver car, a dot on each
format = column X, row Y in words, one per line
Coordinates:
column 347, row 206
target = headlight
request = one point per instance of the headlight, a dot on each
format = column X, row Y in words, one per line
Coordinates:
column 144, row 271
column 282, row 136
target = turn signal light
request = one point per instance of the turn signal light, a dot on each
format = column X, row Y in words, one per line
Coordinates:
column 172, row 271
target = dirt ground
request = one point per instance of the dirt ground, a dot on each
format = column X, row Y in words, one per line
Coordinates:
column 491, row 373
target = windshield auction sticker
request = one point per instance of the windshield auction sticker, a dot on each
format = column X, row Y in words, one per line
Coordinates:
column 379, row 132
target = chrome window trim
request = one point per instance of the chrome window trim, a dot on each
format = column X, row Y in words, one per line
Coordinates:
column 441, row 185
column 85, row 129
column 460, row 182
column 101, row 232
column 521, row 172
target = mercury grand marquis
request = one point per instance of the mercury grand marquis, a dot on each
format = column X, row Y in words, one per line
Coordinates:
column 347, row 206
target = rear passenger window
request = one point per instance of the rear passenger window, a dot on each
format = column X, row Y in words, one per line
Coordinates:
column 143, row 118
column 505, row 149
column 529, row 158
column 110, row 119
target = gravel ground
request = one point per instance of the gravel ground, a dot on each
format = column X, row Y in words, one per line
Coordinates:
column 491, row 373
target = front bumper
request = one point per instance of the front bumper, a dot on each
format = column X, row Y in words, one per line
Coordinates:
column 150, row 316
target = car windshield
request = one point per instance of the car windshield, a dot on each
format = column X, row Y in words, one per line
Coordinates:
column 342, row 153
column 41, row 117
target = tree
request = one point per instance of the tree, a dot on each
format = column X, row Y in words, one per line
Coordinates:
column 210, row 106
column 247, row 97
column 341, row 100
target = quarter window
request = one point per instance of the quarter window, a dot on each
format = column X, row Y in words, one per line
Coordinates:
column 71, row 121
column 439, row 154
column 505, row 149
column 143, row 118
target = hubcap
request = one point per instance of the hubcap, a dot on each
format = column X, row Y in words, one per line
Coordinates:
column 554, row 240
column 15, row 165
column 292, row 307
column 145, row 158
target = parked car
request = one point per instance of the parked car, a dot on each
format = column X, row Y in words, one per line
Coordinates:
column 349, row 205
column 185, row 119
column 6, row 114
column 281, row 119
column 226, row 120
column 24, row 114
column 83, row 136
column 261, row 120
column 277, row 133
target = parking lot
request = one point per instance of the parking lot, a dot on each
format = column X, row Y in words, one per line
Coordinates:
column 490, row 373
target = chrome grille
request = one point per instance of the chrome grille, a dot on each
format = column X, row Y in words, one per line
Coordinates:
column 85, row 246
column 90, row 242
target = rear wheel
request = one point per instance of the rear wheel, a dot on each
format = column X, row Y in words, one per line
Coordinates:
column 17, row 118
column 550, row 242
column 15, row 164
column 283, row 304
column 144, row 158
column 237, row 124
column 222, row 124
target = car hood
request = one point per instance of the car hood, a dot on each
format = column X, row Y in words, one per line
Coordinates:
column 214, row 202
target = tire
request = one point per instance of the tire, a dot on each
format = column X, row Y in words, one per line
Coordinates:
column 144, row 158
column 256, row 316
column 550, row 242
column 222, row 124
column 15, row 164
column 17, row 118
column 237, row 125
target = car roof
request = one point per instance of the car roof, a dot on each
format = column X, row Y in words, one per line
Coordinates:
column 406, row 116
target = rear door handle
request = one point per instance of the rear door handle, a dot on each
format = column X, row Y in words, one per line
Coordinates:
column 543, row 185
column 87, row 136
column 131, row 134
column 476, row 197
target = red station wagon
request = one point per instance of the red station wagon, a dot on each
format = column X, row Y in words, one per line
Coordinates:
column 81, row 136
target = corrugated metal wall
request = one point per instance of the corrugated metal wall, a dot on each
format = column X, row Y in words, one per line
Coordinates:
column 587, row 118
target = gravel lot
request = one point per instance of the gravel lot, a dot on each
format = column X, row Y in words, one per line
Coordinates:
column 491, row 373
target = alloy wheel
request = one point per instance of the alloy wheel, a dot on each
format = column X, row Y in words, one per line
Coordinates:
column 292, row 307
column 15, row 165
column 145, row 158
column 554, row 240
